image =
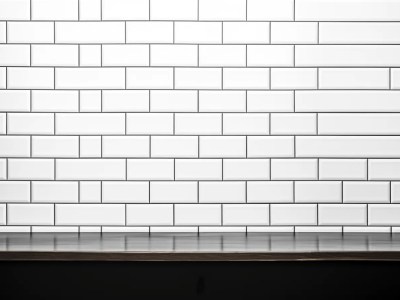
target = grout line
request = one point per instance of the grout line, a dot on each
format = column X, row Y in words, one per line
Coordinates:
column 149, row 55
column 246, row 145
column 222, row 214
column 173, row 32
column 101, row 146
column 79, row 101
column 227, row 135
column 294, row 56
column 79, row 191
column 30, row 148
column 174, row 169
column 246, row 55
column 173, row 78
column 270, row 169
column 222, row 123
column 294, row 10
column 198, row 55
column 222, row 169
column 198, row 101
column 222, row 32
column 295, row 146
column 342, row 186
column 294, row 101
column 150, row 146
column 246, row 10
column 245, row 190
column 30, row 101
column 125, row 122
column 202, row 203
column 269, row 214
column 222, row 78
column 173, row 214
column 149, row 191
column 270, row 78
column 269, row 123
column 270, row 32
column 149, row 93
column 198, row 146
column 246, row 100
column 207, row 21
column 294, row 192
column 173, row 123
column 7, row 169
column 101, row 10
column 101, row 101
column 206, row 68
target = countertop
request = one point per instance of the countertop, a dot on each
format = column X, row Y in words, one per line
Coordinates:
column 203, row 247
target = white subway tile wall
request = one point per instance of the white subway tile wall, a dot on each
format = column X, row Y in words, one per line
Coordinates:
column 199, row 115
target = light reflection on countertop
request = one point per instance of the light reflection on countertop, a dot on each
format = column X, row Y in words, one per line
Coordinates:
column 203, row 243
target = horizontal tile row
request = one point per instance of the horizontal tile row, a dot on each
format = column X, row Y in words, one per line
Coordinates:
column 321, row 10
column 200, row 101
column 199, row 124
column 199, row 169
column 201, row 32
column 200, row 214
column 200, row 192
column 77, row 229
column 202, row 147
column 14, row 55
column 42, row 78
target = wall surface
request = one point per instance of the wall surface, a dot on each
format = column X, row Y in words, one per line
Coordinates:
column 199, row 115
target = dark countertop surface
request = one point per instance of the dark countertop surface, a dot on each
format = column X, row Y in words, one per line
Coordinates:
column 203, row 247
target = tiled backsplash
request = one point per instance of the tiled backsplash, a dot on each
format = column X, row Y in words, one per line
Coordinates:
column 199, row 115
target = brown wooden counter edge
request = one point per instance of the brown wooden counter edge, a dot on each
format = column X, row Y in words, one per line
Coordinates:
column 204, row 256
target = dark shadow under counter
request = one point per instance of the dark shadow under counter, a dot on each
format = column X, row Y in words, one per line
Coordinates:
column 205, row 266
